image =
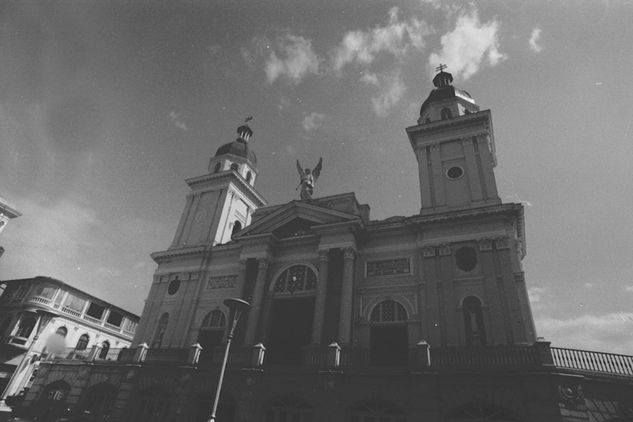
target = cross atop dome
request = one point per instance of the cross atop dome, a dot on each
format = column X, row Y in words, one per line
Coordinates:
column 442, row 79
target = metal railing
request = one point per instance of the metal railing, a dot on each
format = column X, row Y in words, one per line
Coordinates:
column 595, row 362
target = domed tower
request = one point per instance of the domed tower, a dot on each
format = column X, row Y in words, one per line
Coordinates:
column 221, row 202
column 454, row 145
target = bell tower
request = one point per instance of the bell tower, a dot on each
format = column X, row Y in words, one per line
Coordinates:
column 454, row 145
column 222, row 201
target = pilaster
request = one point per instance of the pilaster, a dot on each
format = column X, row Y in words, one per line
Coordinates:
column 319, row 305
column 257, row 301
column 347, row 294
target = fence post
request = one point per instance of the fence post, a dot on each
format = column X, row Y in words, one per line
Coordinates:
column 141, row 353
column 333, row 355
column 194, row 354
column 423, row 354
column 544, row 353
column 257, row 355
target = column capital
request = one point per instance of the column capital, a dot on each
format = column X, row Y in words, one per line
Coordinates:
column 349, row 253
column 323, row 255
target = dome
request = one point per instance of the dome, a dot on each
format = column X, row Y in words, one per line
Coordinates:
column 444, row 90
column 240, row 148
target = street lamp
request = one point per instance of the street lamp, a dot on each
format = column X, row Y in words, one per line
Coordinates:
column 236, row 308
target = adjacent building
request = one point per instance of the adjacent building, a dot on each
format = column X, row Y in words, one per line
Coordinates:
column 42, row 318
column 7, row 212
column 418, row 318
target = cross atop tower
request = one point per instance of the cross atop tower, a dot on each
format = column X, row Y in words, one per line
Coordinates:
column 441, row 67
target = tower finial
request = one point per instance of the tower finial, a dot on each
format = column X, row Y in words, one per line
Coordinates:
column 248, row 119
column 441, row 67
column 244, row 131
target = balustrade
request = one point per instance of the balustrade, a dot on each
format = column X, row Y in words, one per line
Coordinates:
column 587, row 361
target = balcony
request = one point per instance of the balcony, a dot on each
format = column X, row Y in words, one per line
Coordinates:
column 39, row 300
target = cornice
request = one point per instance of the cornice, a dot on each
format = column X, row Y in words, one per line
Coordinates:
column 441, row 125
column 160, row 256
column 229, row 176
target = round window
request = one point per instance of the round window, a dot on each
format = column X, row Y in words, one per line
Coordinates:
column 174, row 285
column 455, row 172
column 466, row 259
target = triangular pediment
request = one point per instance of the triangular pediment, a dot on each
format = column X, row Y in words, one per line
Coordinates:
column 296, row 219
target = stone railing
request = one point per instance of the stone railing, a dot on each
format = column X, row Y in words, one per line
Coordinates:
column 537, row 357
column 592, row 362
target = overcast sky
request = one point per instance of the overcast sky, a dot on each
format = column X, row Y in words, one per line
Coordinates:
column 106, row 107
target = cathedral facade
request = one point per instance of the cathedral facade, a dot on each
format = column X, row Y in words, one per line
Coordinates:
column 420, row 318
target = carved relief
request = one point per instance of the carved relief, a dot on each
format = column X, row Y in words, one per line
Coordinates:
column 485, row 244
column 445, row 249
column 348, row 253
column 571, row 393
column 502, row 243
column 323, row 255
column 428, row 251
column 388, row 267
column 222, row 282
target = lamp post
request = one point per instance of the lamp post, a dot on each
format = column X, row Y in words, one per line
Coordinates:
column 236, row 308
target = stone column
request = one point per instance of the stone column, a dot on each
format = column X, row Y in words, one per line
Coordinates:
column 319, row 304
column 256, row 302
column 347, row 297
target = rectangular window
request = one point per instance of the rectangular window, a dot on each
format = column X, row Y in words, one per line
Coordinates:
column 95, row 311
column 46, row 292
column 115, row 319
column 21, row 292
column 74, row 303
column 129, row 325
column 388, row 267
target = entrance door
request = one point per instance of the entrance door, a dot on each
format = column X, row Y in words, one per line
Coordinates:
column 291, row 329
column 209, row 340
column 389, row 345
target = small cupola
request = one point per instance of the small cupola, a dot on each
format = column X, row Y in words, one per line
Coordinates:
column 445, row 102
column 244, row 132
column 236, row 155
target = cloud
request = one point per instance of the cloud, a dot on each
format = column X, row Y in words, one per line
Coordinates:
column 395, row 38
column 534, row 40
column 293, row 59
column 312, row 121
column 392, row 91
column 369, row 78
column 628, row 289
column 611, row 332
column 535, row 294
column 468, row 46
column 176, row 119
column 588, row 285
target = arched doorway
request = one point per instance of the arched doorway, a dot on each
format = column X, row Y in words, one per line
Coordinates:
column 292, row 314
column 211, row 334
column 389, row 344
column 51, row 405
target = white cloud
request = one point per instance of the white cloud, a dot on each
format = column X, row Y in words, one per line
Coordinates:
column 535, row 37
column 628, row 289
column 392, row 91
column 395, row 38
column 369, row 78
column 535, row 294
column 588, row 285
column 312, row 121
column 468, row 46
column 611, row 332
column 176, row 119
column 293, row 59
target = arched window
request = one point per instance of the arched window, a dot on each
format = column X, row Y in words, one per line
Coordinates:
column 98, row 401
column 217, row 167
column 249, row 176
column 474, row 322
column 481, row 412
column 105, row 348
column 237, row 226
column 446, row 113
column 389, row 334
column 296, row 278
column 160, row 330
column 287, row 409
column 388, row 311
column 235, row 166
column 26, row 325
column 376, row 410
column 151, row 405
column 214, row 319
column 62, row 331
column 82, row 343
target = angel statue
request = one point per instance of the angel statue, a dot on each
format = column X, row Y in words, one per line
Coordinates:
column 308, row 179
